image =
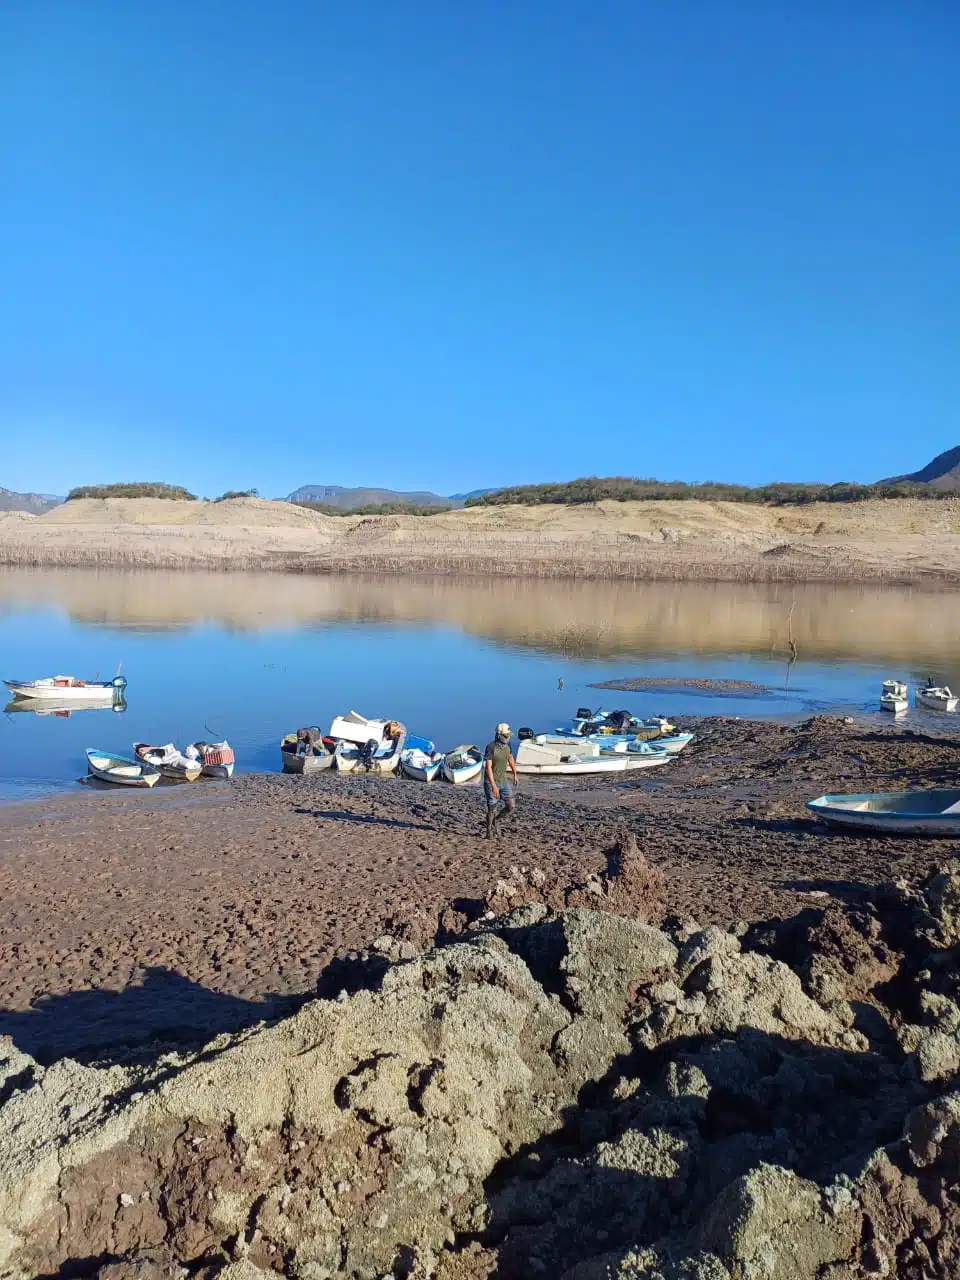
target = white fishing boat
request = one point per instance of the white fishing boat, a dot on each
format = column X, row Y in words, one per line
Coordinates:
column 170, row 763
column 463, row 764
column 616, row 724
column 354, row 727
column 893, row 697
column 299, row 756
column 372, row 756
column 120, row 769
column 671, row 745
column 421, row 765
column 635, row 761
column 936, row 698
column 216, row 758
column 68, row 689
column 534, row 756
column 935, row 812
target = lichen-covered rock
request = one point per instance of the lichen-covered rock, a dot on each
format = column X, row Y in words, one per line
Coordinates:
column 942, row 894
column 552, row 1094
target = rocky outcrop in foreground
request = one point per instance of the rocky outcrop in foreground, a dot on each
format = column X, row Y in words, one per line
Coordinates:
column 568, row 1093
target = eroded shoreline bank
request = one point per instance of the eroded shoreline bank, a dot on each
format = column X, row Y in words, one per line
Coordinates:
column 900, row 541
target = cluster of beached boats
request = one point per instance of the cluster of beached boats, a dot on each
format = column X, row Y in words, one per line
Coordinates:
column 594, row 742
column 895, row 697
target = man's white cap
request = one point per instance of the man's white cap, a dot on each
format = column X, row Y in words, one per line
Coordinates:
column 503, row 729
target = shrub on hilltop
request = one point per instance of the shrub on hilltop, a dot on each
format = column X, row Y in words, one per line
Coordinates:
column 634, row 489
column 144, row 490
column 238, row 493
column 377, row 509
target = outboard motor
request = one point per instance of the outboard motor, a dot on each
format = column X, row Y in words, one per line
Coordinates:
column 619, row 719
column 524, row 735
column 584, row 713
column 367, row 753
column 119, row 683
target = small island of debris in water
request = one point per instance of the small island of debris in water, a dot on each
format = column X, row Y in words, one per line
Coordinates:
column 699, row 684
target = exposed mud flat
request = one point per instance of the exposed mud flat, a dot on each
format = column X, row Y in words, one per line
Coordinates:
column 546, row 1092
column 702, row 684
column 132, row 917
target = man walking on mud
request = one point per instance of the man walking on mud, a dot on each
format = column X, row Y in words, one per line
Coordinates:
column 500, row 791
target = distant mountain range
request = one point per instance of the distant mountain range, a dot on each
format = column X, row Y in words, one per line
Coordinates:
column 36, row 503
column 942, row 473
column 335, row 495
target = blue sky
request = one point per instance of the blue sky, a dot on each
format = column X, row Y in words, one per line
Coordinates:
column 445, row 245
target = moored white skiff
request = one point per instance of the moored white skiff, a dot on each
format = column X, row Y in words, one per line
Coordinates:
column 68, row 689
column 936, row 698
column 893, row 697
column 935, row 812
column 120, row 770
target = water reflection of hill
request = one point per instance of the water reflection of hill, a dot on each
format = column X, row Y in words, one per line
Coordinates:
column 908, row 625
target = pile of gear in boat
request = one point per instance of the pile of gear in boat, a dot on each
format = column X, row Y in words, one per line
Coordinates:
column 594, row 742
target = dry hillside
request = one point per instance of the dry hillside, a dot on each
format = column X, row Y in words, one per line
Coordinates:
column 893, row 540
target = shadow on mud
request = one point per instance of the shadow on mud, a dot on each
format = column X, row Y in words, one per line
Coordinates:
column 165, row 1011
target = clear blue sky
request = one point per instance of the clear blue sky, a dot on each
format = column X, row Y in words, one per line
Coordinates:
column 423, row 243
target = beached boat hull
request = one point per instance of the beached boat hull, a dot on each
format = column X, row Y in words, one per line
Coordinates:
column 216, row 758
column 576, row 768
column 67, row 689
column 421, row 766
column 637, row 761
column 350, row 758
column 540, row 757
column 934, row 812
column 313, row 761
column 120, row 770
column 462, row 765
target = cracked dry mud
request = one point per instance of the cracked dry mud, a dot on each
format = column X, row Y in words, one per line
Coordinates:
column 547, row 1092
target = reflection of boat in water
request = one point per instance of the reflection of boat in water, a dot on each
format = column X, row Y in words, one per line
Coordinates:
column 68, row 689
column 64, row 709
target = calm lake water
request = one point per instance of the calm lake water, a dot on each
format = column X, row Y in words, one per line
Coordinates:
column 253, row 656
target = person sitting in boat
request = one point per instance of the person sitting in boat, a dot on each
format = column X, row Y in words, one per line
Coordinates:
column 500, row 791
column 307, row 739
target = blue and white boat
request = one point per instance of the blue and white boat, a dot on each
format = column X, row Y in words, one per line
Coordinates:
column 934, row 812
column 421, row 765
